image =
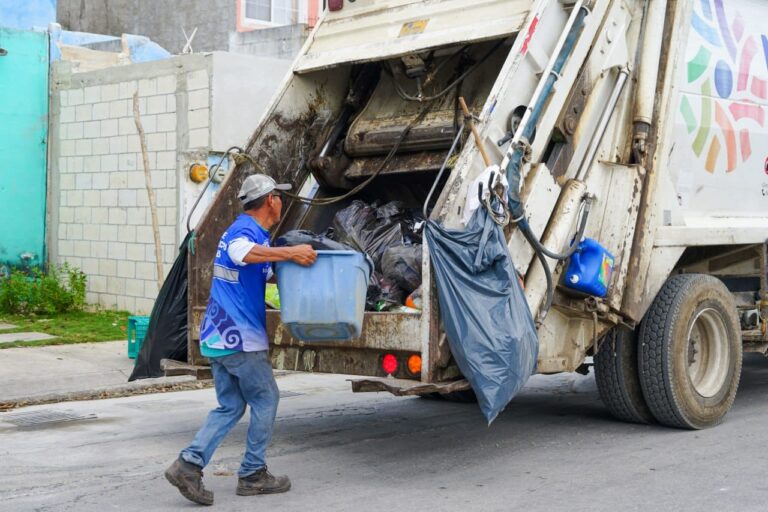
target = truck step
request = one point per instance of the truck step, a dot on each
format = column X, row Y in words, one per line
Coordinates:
column 405, row 387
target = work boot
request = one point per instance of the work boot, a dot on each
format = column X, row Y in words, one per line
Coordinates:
column 262, row 482
column 189, row 479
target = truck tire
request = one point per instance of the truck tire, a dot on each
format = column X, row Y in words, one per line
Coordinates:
column 690, row 352
column 618, row 381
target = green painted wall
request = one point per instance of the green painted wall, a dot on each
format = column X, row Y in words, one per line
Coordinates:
column 23, row 146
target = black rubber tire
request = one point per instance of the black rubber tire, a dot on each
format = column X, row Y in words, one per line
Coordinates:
column 664, row 352
column 618, row 381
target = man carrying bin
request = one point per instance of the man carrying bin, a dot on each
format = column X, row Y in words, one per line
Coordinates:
column 233, row 336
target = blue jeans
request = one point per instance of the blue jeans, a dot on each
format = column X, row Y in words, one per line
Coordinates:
column 241, row 379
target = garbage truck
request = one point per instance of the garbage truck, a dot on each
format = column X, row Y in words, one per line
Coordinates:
column 637, row 124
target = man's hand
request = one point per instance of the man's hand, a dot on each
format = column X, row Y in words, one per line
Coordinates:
column 303, row 255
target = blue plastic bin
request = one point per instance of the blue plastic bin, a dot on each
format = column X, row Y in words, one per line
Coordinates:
column 325, row 301
column 590, row 269
column 137, row 329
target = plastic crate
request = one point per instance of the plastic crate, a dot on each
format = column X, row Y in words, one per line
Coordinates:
column 325, row 301
column 137, row 329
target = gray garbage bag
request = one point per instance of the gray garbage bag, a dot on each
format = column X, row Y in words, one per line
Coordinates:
column 485, row 315
column 402, row 264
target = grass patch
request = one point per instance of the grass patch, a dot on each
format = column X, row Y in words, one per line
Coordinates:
column 72, row 327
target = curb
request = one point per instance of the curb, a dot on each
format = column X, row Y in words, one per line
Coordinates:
column 138, row 388
column 106, row 393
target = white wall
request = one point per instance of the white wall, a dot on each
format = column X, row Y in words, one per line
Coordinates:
column 99, row 218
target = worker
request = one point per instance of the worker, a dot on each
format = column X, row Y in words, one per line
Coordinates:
column 233, row 335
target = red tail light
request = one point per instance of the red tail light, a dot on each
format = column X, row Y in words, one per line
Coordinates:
column 389, row 364
column 335, row 5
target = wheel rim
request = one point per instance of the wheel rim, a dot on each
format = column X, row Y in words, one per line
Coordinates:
column 708, row 355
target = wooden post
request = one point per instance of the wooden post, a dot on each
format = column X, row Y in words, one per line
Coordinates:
column 475, row 133
column 150, row 192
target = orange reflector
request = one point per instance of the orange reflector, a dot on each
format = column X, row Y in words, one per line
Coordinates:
column 414, row 364
column 389, row 364
column 198, row 173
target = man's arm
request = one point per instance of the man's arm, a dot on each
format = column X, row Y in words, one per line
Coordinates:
column 301, row 254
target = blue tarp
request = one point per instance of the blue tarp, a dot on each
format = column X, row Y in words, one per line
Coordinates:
column 484, row 312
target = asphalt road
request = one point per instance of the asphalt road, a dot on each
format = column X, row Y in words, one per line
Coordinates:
column 554, row 448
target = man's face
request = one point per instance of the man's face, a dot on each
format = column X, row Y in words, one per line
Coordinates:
column 275, row 204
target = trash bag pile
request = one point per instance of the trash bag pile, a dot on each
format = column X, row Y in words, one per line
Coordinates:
column 390, row 235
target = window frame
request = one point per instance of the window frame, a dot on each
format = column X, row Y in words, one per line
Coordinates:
column 244, row 23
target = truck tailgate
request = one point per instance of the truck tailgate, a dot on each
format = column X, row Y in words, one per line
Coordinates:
column 357, row 34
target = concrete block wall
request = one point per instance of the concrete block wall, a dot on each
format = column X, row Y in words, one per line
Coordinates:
column 193, row 107
column 100, row 216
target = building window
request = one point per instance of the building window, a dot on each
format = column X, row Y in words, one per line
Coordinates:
column 255, row 14
column 266, row 13
column 258, row 10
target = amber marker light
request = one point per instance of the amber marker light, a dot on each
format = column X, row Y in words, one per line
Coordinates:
column 414, row 364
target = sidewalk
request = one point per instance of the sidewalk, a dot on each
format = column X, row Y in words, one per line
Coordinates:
column 66, row 372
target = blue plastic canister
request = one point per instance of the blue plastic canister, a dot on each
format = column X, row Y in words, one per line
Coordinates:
column 325, row 301
column 590, row 269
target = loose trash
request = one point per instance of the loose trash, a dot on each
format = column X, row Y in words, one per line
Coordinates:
column 486, row 318
column 414, row 299
column 166, row 336
column 390, row 295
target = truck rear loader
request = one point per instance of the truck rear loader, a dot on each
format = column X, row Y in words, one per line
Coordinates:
column 638, row 124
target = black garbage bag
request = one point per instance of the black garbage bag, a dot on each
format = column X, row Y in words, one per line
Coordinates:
column 373, row 292
column 166, row 336
column 390, row 295
column 413, row 227
column 402, row 264
column 383, row 294
column 318, row 242
column 369, row 229
column 484, row 312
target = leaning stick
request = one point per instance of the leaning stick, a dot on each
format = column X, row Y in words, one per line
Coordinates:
column 475, row 133
column 150, row 192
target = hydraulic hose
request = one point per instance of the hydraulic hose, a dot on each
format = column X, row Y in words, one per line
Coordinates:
column 515, row 160
column 211, row 174
column 523, row 225
column 528, row 234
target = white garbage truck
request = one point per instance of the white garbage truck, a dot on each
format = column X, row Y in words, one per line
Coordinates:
column 639, row 124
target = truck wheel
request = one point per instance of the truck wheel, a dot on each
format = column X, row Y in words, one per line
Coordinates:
column 617, row 377
column 690, row 352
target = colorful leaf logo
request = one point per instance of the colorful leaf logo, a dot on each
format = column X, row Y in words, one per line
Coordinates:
column 724, row 59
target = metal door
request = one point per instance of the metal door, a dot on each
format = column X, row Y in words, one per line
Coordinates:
column 23, row 147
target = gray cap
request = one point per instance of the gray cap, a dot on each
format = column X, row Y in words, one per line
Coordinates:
column 259, row 185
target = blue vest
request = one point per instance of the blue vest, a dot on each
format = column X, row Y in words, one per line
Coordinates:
column 236, row 315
